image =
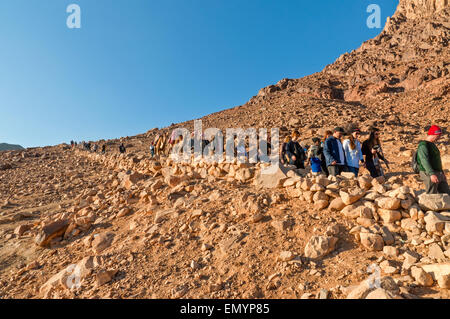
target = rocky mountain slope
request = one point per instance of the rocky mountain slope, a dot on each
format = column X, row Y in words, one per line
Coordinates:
column 75, row 224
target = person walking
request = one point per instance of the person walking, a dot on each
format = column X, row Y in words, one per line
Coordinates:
column 295, row 152
column 314, row 155
column 122, row 148
column 323, row 162
column 103, row 148
column 430, row 164
column 372, row 152
column 353, row 153
column 334, row 152
column 283, row 151
column 152, row 150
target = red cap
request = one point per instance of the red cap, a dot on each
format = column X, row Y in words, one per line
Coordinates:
column 434, row 130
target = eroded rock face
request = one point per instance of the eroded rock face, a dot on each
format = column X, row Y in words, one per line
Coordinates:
column 414, row 9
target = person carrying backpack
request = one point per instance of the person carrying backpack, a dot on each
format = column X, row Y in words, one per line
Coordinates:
column 430, row 165
column 314, row 155
column 295, row 152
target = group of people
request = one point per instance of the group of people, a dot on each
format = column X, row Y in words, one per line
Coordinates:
column 332, row 156
column 88, row 146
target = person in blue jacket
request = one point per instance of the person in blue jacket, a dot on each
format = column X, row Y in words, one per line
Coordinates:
column 334, row 152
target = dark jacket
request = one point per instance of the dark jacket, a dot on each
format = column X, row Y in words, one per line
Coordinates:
column 331, row 151
column 293, row 148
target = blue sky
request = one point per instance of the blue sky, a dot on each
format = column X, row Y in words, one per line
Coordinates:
column 139, row 64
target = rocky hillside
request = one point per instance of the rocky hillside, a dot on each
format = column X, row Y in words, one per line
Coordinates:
column 75, row 224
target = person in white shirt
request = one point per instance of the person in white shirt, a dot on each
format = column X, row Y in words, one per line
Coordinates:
column 353, row 154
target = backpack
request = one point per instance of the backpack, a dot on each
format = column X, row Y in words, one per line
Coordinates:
column 414, row 163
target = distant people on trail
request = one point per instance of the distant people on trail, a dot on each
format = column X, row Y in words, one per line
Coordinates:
column 95, row 148
column 334, row 152
column 295, row 152
column 353, row 153
column 372, row 152
column 72, row 143
column 103, row 148
column 152, row 150
column 283, row 151
column 430, row 164
column 315, row 156
column 122, row 148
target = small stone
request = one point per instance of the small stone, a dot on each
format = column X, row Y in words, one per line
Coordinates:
column 123, row 212
column 435, row 252
column 421, row 277
column 104, row 277
column 390, row 251
column 372, row 241
column 286, row 256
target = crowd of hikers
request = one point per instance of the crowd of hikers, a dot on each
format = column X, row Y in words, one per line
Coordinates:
column 333, row 155
column 336, row 152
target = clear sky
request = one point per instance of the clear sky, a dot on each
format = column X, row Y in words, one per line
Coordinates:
column 139, row 64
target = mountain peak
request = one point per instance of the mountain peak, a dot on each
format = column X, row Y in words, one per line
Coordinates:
column 413, row 9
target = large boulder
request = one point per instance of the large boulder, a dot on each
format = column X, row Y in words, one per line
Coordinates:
column 434, row 202
column 440, row 273
column 352, row 196
column 272, row 176
column 388, row 203
column 389, row 216
column 435, row 222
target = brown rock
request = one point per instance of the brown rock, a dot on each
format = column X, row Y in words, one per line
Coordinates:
column 104, row 277
column 320, row 246
column 102, row 241
column 50, row 231
column 372, row 241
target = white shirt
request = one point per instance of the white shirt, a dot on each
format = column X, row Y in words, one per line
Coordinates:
column 353, row 156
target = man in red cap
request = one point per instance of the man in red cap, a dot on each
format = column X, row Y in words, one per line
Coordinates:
column 430, row 165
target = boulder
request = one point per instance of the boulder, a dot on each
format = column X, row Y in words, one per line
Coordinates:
column 20, row 230
column 320, row 246
column 388, row 203
column 271, row 177
column 50, row 231
column 434, row 202
column 434, row 222
column 389, row 216
column 102, row 241
column 352, row 196
column 372, row 241
column 439, row 272
column 365, row 182
column 337, row 204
